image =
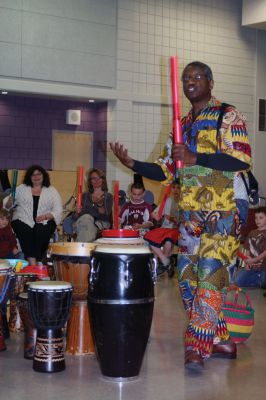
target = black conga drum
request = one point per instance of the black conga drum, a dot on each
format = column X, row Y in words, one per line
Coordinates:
column 49, row 306
column 121, row 299
column 29, row 330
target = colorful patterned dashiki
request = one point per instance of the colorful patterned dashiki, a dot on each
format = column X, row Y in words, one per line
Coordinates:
column 209, row 220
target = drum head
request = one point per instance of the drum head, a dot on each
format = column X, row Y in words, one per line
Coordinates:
column 122, row 249
column 50, row 285
column 120, row 233
column 14, row 261
column 23, row 296
column 71, row 248
column 4, row 265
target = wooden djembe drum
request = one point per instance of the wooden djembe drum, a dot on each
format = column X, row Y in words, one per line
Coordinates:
column 72, row 264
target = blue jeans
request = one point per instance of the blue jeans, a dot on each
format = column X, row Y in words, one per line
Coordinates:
column 251, row 278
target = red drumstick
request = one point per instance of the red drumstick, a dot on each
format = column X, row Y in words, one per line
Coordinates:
column 116, row 204
column 242, row 255
column 167, row 192
column 80, row 185
column 177, row 127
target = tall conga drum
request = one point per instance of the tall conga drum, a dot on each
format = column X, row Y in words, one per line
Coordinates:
column 121, row 300
column 72, row 264
column 29, row 330
column 5, row 279
column 49, row 306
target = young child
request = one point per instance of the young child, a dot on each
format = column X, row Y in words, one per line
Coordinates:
column 8, row 242
column 136, row 214
column 254, row 271
column 163, row 239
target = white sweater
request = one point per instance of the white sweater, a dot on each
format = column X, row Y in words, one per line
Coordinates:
column 49, row 202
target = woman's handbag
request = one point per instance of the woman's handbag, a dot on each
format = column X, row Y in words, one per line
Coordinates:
column 238, row 313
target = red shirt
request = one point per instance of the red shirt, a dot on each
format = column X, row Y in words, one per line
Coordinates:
column 7, row 241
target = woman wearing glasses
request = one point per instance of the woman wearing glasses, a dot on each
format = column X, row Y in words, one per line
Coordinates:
column 37, row 210
column 96, row 208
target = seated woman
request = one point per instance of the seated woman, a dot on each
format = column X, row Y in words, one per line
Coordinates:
column 37, row 211
column 96, row 208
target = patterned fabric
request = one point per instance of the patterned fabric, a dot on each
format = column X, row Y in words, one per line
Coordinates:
column 209, row 221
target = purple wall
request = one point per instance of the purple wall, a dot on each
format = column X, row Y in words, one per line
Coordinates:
column 26, row 125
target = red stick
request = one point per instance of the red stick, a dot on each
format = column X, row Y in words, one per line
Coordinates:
column 177, row 127
column 80, row 185
column 116, row 204
column 167, row 192
column 241, row 255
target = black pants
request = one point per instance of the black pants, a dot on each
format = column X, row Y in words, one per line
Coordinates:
column 34, row 241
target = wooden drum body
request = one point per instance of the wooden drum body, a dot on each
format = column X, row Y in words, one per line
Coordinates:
column 121, row 300
column 5, row 279
column 72, row 264
column 21, row 279
column 49, row 306
column 29, row 330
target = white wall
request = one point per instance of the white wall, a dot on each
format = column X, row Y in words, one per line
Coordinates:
column 149, row 32
column 253, row 12
column 260, row 137
column 57, row 47
column 59, row 40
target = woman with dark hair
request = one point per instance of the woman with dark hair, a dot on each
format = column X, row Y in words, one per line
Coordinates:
column 37, row 211
column 96, row 208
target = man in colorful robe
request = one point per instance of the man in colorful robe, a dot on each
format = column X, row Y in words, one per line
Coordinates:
column 212, row 204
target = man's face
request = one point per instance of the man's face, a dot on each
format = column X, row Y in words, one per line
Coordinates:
column 196, row 85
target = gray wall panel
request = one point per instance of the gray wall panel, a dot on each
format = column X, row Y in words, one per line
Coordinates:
column 14, row 4
column 11, row 62
column 68, row 34
column 10, row 25
column 100, row 11
column 63, row 66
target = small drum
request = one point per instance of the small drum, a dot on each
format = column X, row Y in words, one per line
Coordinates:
column 49, row 306
column 121, row 300
column 5, row 279
column 21, row 279
column 72, row 264
column 29, row 330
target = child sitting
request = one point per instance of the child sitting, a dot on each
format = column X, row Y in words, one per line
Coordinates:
column 254, row 272
column 136, row 214
column 8, row 242
column 163, row 239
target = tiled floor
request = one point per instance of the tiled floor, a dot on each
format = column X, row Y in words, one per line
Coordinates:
column 162, row 375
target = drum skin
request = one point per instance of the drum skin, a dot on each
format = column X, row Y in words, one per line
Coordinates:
column 121, row 301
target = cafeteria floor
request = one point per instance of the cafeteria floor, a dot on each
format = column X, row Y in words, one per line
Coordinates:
column 162, row 376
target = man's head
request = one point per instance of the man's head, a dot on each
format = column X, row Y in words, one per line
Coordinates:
column 198, row 82
column 260, row 217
